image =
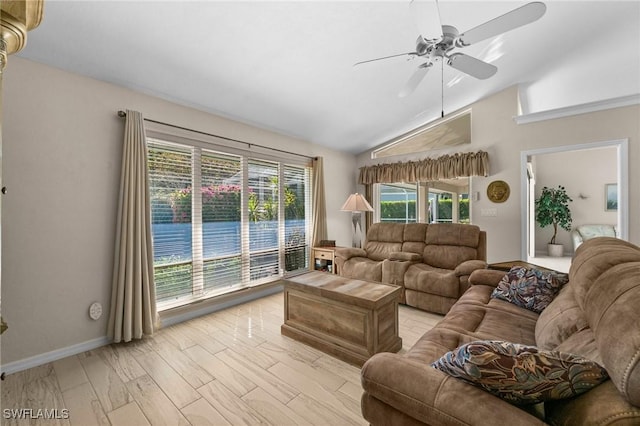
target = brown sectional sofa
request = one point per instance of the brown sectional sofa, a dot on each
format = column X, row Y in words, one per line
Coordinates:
column 432, row 262
column 596, row 315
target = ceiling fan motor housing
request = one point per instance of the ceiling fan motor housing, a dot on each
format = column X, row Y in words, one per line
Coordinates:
column 436, row 51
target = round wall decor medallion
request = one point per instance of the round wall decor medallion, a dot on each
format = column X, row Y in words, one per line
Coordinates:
column 498, row 191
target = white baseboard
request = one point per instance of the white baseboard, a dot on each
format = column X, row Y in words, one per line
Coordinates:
column 54, row 355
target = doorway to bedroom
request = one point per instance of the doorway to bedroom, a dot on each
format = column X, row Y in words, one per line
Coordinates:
column 596, row 177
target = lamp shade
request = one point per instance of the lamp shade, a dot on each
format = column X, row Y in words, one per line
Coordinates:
column 356, row 203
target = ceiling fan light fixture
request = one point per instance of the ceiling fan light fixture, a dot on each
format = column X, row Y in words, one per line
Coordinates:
column 440, row 49
column 422, row 46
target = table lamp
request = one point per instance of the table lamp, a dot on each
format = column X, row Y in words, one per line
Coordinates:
column 356, row 204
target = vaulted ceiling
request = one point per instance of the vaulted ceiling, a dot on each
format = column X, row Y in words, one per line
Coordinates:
column 287, row 66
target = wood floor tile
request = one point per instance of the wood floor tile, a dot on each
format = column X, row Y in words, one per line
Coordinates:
column 319, row 374
column 352, row 390
column 69, row 372
column 313, row 390
column 155, row 405
column 108, row 386
column 234, row 381
column 121, row 358
column 179, row 336
column 339, row 368
column 190, row 371
column 320, row 413
column 234, row 409
column 171, row 383
column 300, row 352
column 201, row 413
column 202, row 339
column 84, row 407
column 261, row 377
column 274, row 411
column 128, row 415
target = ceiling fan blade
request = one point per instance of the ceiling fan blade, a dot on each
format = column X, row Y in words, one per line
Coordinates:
column 516, row 18
column 472, row 66
column 385, row 57
column 415, row 80
column 426, row 15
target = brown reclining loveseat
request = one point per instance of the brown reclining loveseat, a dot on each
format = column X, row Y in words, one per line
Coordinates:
column 432, row 262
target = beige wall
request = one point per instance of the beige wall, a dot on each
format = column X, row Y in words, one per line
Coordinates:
column 62, row 148
column 494, row 130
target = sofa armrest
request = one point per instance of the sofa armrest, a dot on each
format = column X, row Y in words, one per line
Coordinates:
column 433, row 397
column 349, row 252
column 405, row 256
column 466, row 268
column 490, row 277
column 576, row 238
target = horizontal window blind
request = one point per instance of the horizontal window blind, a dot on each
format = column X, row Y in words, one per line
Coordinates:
column 246, row 222
column 263, row 208
column 297, row 200
column 221, row 220
column 170, row 182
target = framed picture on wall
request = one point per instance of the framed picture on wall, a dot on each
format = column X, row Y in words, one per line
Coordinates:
column 611, row 197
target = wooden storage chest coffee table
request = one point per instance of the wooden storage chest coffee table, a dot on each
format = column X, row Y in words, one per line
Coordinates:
column 347, row 318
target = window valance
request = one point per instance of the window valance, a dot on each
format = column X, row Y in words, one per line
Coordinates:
column 462, row 164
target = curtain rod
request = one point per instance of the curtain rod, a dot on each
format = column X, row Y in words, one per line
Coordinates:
column 123, row 114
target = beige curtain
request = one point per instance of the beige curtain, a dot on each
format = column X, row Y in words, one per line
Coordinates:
column 319, row 203
column 430, row 169
column 368, row 216
column 133, row 298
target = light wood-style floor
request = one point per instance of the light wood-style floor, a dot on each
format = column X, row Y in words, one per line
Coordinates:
column 228, row 368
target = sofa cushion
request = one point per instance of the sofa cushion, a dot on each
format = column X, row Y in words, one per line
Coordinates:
column 531, row 289
column 386, row 232
column 453, row 234
column 415, row 232
column 450, row 244
column 476, row 314
column 428, row 279
column 362, row 268
column 560, row 320
column 380, row 250
column 384, row 239
column 448, row 257
column 521, row 374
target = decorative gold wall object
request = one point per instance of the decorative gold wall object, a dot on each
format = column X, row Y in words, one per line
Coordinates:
column 498, row 191
column 16, row 18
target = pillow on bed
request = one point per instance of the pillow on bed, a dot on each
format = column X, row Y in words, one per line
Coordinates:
column 531, row 289
column 521, row 374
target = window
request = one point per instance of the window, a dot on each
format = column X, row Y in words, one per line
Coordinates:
column 398, row 203
column 444, row 201
column 245, row 225
column 448, row 207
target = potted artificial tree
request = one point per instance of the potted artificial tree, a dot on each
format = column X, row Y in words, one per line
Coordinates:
column 552, row 208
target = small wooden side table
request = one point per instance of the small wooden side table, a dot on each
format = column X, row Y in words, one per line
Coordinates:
column 323, row 259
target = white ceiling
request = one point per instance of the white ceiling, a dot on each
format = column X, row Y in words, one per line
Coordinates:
column 288, row 66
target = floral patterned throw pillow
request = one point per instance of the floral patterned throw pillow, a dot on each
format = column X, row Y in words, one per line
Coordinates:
column 521, row 374
column 531, row 289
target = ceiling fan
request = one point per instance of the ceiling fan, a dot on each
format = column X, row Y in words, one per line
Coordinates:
column 438, row 42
